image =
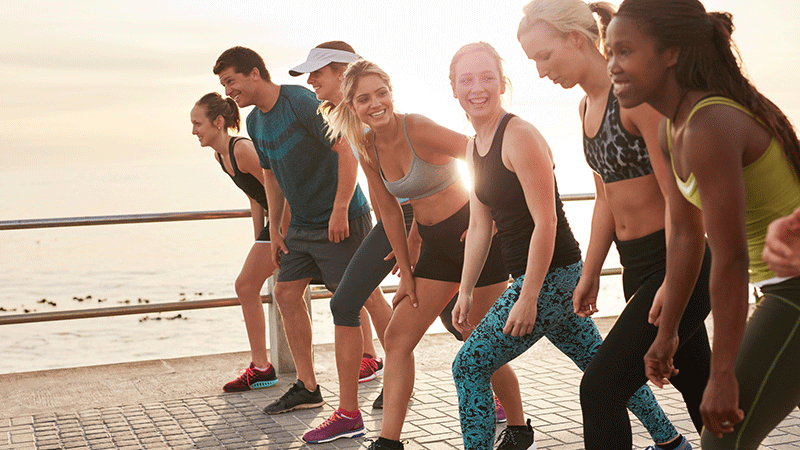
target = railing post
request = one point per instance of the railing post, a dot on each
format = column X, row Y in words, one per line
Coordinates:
column 280, row 354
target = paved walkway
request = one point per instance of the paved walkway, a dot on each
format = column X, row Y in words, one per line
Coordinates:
column 178, row 403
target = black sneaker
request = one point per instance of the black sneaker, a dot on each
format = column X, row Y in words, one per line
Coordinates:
column 375, row 445
column 297, row 397
column 378, row 403
column 512, row 438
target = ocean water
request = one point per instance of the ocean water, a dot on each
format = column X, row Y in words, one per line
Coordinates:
column 56, row 269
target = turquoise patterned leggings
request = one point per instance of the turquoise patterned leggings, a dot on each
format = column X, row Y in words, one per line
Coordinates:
column 487, row 348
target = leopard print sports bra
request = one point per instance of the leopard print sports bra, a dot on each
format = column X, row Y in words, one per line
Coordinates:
column 614, row 153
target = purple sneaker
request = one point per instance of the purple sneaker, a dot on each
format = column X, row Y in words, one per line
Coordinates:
column 337, row 426
column 501, row 413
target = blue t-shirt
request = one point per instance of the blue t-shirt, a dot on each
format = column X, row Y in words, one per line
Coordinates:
column 291, row 140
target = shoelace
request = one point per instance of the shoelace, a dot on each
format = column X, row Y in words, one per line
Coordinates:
column 369, row 364
column 247, row 373
column 373, row 443
column 506, row 436
column 291, row 391
column 330, row 420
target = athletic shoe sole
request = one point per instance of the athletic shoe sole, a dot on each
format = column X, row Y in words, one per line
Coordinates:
column 256, row 385
column 347, row 434
column 263, row 384
column 296, row 407
column 369, row 378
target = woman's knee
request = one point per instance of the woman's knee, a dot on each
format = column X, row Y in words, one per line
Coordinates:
column 461, row 367
column 246, row 287
column 343, row 313
column 398, row 339
column 594, row 388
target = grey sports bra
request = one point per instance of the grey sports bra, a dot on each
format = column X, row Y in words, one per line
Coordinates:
column 614, row 153
column 423, row 179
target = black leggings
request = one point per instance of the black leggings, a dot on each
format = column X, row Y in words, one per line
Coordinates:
column 766, row 368
column 364, row 273
column 617, row 370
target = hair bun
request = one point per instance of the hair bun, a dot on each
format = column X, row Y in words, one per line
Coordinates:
column 723, row 18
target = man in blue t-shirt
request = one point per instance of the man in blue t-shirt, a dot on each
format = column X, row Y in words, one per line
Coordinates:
column 316, row 176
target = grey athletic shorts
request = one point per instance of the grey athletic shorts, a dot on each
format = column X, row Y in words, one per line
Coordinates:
column 312, row 255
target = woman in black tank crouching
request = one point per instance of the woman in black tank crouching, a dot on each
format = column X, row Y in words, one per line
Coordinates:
column 512, row 168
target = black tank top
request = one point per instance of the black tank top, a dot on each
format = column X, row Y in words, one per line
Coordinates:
column 500, row 189
column 246, row 182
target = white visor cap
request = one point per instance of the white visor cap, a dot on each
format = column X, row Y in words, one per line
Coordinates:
column 321, row 57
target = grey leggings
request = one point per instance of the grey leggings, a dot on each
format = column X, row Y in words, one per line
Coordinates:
column 364, row 273
column 766, row 367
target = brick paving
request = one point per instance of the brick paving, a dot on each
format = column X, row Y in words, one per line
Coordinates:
column 216, row 420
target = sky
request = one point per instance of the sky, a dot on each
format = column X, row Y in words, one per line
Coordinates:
column 111, row 82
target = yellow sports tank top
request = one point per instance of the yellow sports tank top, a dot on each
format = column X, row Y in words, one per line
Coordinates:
column 773, row 190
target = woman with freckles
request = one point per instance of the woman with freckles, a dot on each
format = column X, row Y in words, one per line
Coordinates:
column 512, row 167
column 735, row 159
column 410, row 156
column 621, row 146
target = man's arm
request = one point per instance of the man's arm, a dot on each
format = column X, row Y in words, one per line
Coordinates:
column 275, row 205
column 338, row 226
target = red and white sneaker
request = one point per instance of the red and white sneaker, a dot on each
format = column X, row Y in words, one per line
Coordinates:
column 370, row 368
column 252, row 378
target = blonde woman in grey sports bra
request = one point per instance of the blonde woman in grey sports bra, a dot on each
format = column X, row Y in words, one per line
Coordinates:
column 410, row 156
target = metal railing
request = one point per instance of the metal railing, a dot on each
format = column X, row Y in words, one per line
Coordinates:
column 11, row 319
column 280, row 354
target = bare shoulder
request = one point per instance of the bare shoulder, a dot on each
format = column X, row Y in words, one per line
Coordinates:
column 420, row 125
column 246, row 157
column 639, row 119
column 431, row 138
column 523, row 134
column 720, row 130
column 243, row 146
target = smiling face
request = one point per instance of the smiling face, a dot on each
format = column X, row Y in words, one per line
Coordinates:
column 238, row 86
column 553, row 53
column 327, row 83
column 638, row 71
column 372, row 101
column 205, row 130
column 478, row 84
